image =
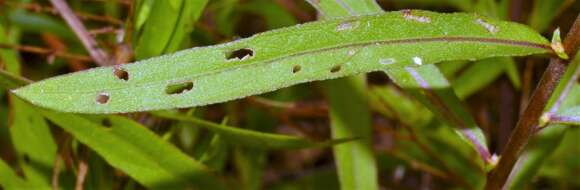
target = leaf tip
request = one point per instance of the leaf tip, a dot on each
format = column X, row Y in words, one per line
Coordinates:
column 557, row 45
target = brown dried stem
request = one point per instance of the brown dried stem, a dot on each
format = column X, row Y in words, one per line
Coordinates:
column 100, row 57
column 46, row 51
column 35, row 7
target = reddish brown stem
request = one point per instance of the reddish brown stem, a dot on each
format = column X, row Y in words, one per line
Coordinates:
column 529, row 120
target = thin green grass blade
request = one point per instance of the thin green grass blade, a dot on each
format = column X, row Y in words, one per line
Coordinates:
column 315, row 51
column 154, row 163
column 544, row 12
column 356, row 164
column 157, row 163
column 11, row 81
column 161, row 20
column 9, row 180
column 191, row 11
column 249, row 138
column 29, row 132
column 430, row 87
column 355, row 161
column 479, row 75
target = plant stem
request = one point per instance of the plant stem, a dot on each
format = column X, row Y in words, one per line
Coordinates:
column 100, row 57
column 529, row 120
column 46, row 51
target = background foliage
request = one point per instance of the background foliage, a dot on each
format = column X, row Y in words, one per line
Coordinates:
column 369, row 131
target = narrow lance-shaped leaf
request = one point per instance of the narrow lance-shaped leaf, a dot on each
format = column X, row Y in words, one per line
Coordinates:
column 281, row 58
column 355, row 162
column 153, row 162
column 29, row 132
column 249, row 138
column 242, row 137
column 433, row 90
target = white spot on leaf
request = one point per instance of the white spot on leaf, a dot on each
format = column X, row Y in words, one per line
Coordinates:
column 386, row 61
column 351, row 52
column 489, row 27
column 417, row 60
column 408, row 14
column 348, row 25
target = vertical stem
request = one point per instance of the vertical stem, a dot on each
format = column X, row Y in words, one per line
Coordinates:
column 528, row 122
column 99, row 56
column 526, row 126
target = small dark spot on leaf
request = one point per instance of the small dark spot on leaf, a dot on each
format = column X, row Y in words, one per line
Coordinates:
column 106, row 123
column 179, row 88
column 26, row 158
column 103, row 98
column 335, row 69
column 120, row 73
column 296, row 68
column 240, row 54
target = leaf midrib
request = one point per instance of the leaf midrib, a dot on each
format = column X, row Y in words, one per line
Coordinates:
column 457, row 39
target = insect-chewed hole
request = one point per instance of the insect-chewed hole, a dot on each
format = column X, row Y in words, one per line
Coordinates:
column 178, row 88
column 106, row 123
column 296, row 68
column 240, row 54
column 103, row 98
column 335, row 69
column 120, row 73
column 26, row 158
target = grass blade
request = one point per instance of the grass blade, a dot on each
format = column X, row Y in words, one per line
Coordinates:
column 154, row 163
column 9, row 179
column 430, row 87
column 544, row 12
column 355, row 161
column 249, row 138
column 356, row 164
column 342, row 48
column 474, row 79
column 29, row 132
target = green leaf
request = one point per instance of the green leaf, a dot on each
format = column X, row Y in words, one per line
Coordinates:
column 191, row 11
column 33, row 143
column 430, row 87
column 544, row 12
column 355, row 161
column 167, row 23
column 153, row 162
column 569, row 117
column 249, row 138
column 479, row 75
column 274, row 14
column 9, row 179
column 314, row 51
column 11, row 81
column 345, row 8
column 29, row 131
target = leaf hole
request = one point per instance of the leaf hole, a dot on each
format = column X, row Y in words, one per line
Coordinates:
column 103, row 98
column 106, row 123
column 240, row 54
column 120, row 73
column 335, row 69
column 178, row 88
column 296, row 68
column 26, row 158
